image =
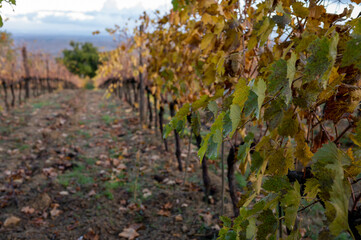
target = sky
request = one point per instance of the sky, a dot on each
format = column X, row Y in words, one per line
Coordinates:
column 82, row 17
column 69, row 17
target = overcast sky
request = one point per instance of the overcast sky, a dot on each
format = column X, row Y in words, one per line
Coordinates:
column 80, row 17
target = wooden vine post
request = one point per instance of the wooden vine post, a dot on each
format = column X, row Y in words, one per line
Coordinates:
column 27, row 72
column 141, row 80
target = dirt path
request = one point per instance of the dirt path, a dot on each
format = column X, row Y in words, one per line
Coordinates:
column 74, row 165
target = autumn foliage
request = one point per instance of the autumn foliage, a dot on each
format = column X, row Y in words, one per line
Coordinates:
column 284, row 76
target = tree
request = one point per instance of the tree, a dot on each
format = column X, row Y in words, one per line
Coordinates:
column 82, row 60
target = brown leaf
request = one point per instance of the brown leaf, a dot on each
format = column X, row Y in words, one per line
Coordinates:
column 28, row 210
column 91, row 235
column 207, row 218
column 168, row 205
column 137, row 226
column 42, row 202
column 164, row 213
column 146, row 193
column 12, row 220
column 55, row 211
column 129, row 233
column 178, row 218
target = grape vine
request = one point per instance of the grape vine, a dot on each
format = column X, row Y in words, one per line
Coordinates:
column 279, row 81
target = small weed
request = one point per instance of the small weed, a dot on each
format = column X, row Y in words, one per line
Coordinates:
column 109, row 194
column 108, row 119
column 85, row 134
column 39, row 105
column 113, row 153
column 112, row 106
column 23, row 147
column 79, row 176
column 5, row 130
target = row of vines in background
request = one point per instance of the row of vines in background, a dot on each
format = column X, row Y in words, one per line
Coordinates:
column 23, row 73
column 276, row 80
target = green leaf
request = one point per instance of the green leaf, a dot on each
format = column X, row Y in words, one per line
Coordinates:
column 213, row 107
column 299, row 10
column 332, row 57
column 1, row 21
column 276, row 184
column 226, row 221
column 260, row 89
column 200, row 103
column 235, row 115
column 274, row 113
column 312, row 188
column 268, row 224
column 278, row 77
column 289, row 125
column 307, row 38
column 320, row 60
column 278, row 163
column 335, row 189
column 243, row 150
column 281, row 21
column 202, row 150
column 227, row 124
column 291, row 68
column 240, row 97
column 178, row 121
column 356, row 138
column 352, row 54
column 257, row 161
column 213, row 140
column 251, row 104
column 291, row 201
column 175, row 4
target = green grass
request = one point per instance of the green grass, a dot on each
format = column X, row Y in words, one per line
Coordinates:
column 39, row 105
column 79, row 175
column 114, row 153
column 23, row 147
column 5, row 130
column 83, row 133
column 108, row 119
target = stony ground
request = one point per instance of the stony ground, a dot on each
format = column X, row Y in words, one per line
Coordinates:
column 75, row 165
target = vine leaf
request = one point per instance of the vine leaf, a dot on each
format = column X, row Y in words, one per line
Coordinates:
column 260, row 89
column 268, row 224
column 335, row 189
column 291, row 201
column 303, row 152
column 352, row 53
column 320, row 60
column 278, row 77
column 356, row 138
column 312, row 188
column 240, row 97
column 211, row 143
column 289, row 125
column 178, row 121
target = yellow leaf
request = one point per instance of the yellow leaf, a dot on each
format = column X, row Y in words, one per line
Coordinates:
column 206, row 41
column 303, row 152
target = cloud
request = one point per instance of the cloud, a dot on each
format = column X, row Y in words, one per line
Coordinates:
column 74, row 22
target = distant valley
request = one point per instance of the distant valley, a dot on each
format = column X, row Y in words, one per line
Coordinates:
column 54, row 44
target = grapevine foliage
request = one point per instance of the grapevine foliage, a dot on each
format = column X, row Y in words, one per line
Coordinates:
column 284, row 75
